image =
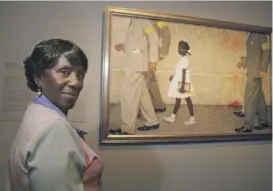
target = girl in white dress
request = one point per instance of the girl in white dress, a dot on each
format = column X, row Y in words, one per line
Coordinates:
column 181, row 86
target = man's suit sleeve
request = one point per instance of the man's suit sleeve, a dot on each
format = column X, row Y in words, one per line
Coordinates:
column 165, row 38
column 265, row 56
column 153, row 41
column 54, row 160
column 123, row 30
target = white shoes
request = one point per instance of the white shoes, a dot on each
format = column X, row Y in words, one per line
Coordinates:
column 170, row 119
column 190, row 122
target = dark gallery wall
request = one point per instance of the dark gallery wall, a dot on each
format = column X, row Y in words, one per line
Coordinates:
column 192, row 167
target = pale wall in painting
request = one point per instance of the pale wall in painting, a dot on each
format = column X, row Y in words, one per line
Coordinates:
column 213, row 63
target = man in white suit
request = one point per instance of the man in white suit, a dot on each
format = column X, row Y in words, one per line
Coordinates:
column 164, row 35
column 140, row 44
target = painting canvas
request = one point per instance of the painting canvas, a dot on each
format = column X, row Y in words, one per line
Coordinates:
column 146, row 99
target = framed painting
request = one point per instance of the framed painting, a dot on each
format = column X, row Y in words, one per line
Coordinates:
column 170, row 78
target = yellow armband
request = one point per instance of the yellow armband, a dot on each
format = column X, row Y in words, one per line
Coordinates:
column 148, row 30
column 265, row 46
column 161, row 24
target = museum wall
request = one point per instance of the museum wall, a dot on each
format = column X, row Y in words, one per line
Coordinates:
column 226, row 166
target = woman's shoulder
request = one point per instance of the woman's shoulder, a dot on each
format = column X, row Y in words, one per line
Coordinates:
column 38, row 121
column 46, row 124
column 41, row 114
column 39, row 124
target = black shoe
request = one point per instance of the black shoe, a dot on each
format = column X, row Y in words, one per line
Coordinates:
column 243, row 130
column 118, row 132
column 111, row 131
column 262, row 126
column 156, row 110
column 239, row 114
column 147, row 128
column 160, row 110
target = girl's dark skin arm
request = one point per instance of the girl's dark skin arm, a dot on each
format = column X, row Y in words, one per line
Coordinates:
column 171, row 78
column 182, row 88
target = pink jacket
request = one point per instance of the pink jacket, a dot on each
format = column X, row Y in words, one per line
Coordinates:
column 48, row 154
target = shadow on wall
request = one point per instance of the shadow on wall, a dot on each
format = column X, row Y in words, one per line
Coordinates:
column 120, row 173
column 8, row 133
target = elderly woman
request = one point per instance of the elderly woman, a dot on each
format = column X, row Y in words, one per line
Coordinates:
column 49, row 153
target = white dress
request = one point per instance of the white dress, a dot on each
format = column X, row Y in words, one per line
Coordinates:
column 177, row 79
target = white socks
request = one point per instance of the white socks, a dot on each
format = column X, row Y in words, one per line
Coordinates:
column 191, row 121
column 192, row 118
column 173, row 116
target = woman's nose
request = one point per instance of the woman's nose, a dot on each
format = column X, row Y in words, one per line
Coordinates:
column 75, row 80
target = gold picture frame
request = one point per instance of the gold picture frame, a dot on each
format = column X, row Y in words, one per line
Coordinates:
column 205, row 77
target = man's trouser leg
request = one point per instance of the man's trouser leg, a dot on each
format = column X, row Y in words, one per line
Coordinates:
column 254, row 102
column 146, row 106
column 256, row 121
column 245, row 79
column 154, row 91
column 262, row 108
column 131, row 91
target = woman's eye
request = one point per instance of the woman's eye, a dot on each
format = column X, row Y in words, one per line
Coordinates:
column 65, row 73
column 80, row 75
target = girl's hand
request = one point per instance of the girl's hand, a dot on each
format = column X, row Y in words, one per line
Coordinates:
column 262, row 74
column 182, row 89
column 152, row 66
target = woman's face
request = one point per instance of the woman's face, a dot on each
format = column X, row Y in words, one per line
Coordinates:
column 63, row 83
